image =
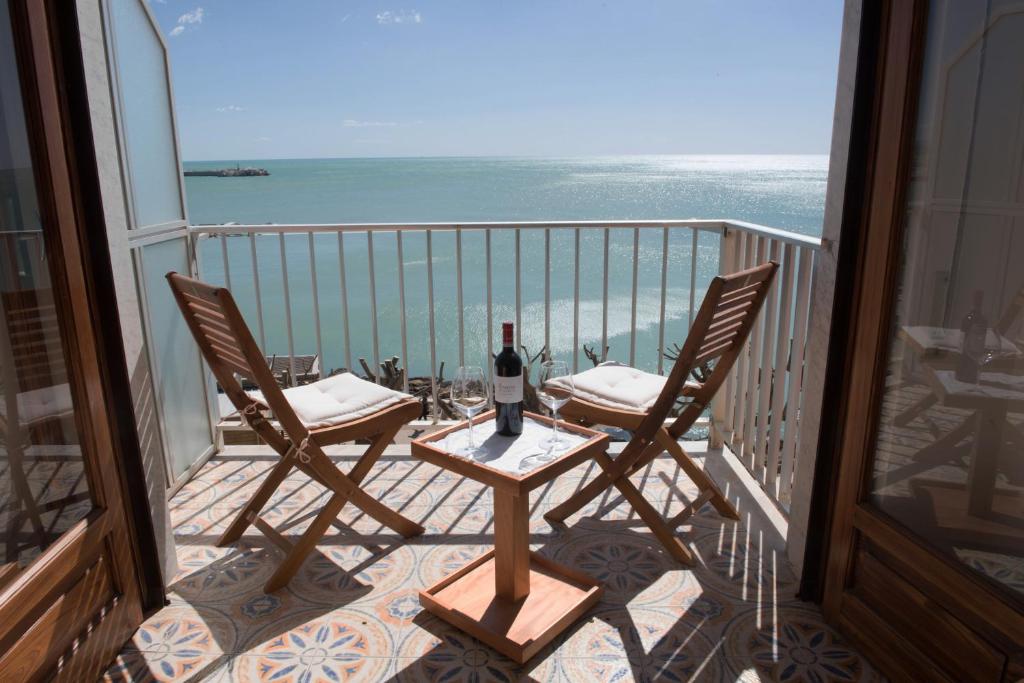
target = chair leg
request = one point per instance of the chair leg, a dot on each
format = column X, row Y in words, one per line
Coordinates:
column 596, row 487
column 366, row 462
column 298, row 553
column 244, row 517
column 344, row 485
column 648, row 514
column 560, row 512
column 699, row 476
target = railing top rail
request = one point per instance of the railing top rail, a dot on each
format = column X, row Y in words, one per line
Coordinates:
column 710, row 225
column 784, row 236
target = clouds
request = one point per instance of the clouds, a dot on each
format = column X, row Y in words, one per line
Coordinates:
column 402, row 16
column 230, row 107
column 353, row 123
column 193, row 18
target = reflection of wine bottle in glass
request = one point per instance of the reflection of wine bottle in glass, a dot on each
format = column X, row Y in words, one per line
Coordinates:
column 974, row 329
column 508, row 386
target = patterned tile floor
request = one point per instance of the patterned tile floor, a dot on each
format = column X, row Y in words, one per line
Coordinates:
column 352, row 613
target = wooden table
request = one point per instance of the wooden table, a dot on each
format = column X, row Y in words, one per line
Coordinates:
column 511, row 598
column 989, row 401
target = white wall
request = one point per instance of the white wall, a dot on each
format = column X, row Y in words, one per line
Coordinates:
column 823, row 289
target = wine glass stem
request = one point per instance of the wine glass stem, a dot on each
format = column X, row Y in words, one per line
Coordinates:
column 554, row 426
column 472, row 445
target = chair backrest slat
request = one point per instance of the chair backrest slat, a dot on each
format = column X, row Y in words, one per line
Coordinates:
column 229, row 348
column 719, row 331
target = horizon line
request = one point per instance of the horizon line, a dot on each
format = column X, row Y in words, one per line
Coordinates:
column 511, row 156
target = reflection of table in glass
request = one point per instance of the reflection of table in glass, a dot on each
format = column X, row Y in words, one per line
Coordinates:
column 938, row 348
column 511, row 598
column 990, row 399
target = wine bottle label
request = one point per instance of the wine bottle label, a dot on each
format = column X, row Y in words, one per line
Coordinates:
column 508, row 389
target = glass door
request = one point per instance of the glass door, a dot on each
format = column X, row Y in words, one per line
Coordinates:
column 927, row 560
column 69, row 588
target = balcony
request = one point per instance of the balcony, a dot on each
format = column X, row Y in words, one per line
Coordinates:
column 666, row 263
column 353, row 605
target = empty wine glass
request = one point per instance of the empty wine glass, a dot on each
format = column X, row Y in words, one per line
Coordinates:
column 554, row 389
column 469, row 395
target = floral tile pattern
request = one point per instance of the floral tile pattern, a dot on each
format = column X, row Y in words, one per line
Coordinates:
column 352, row 611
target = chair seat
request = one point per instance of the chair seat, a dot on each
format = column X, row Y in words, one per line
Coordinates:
column 618, row 386
column 337, row 400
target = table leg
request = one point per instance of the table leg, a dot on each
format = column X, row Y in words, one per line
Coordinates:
column 981, row 477
column 511, row 545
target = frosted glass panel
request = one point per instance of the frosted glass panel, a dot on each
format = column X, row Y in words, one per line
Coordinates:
column 146, row 111
column 179, row 380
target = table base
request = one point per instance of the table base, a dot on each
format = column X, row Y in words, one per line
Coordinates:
column 518, row 629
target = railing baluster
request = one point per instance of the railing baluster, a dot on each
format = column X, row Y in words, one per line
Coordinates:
column 256, row 291
column 768, row 371
column 781, row 372
column 227, row 265
column 373, row 305
column 664, row 294
column 401, row 306
column 344, row 301
column 433, row 337
column 576, row 303
column 458, row 295
column 746, row 248
column 316, row 303
column 519, row 297
column 796, row 374
column 490, row 309
column 287, row 310
column 602, row 352
column 753, row 375
column 632, row 314
column 547, row 291
column 693, row 275
column 722, row 404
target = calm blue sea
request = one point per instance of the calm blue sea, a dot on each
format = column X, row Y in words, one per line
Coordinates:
column 780, row 191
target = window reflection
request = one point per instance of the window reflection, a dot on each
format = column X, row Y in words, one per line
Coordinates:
column 949, row 459
column 43, row 490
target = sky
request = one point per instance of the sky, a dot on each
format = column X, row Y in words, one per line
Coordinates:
column 332, row 78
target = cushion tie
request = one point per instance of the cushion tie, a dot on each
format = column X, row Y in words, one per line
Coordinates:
column 299, row 451
column 253, row 415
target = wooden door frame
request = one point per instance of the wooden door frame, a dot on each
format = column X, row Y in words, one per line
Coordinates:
column 119, row 527
column 981, row 607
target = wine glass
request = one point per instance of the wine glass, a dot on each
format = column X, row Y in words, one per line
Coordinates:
column 469, row 395
column 554, row 389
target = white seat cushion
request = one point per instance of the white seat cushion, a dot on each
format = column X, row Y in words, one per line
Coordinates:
column 619, row 386
column 45, row 403
column 337, row 400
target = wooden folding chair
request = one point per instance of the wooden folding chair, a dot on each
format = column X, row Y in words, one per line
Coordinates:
column 334, row 410
column 620, row 396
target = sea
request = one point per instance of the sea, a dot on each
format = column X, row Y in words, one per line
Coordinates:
column 781, row 191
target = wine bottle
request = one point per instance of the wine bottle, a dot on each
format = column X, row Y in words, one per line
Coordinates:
column 508, row 386
column 974, row 329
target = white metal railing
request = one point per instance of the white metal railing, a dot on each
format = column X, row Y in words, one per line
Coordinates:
column 756, row 413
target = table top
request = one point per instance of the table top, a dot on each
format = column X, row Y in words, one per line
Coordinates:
column 501, row 463
column 926, row 340
column 992, row 387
